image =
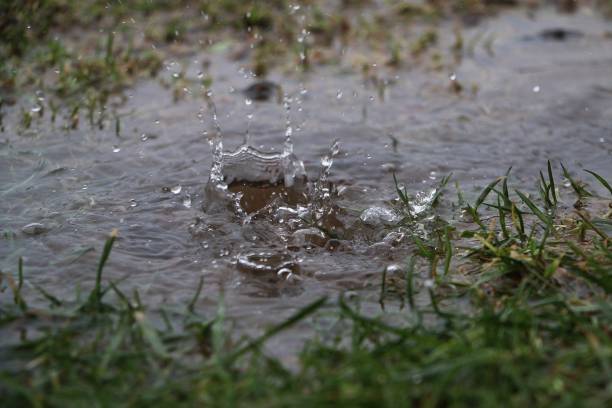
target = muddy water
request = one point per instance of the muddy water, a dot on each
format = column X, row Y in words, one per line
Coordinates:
column 525, row 99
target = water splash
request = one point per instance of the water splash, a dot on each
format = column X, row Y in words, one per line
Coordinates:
column 216, row 179
column 321, row 194
column 380, row 216
column 293, row 168
column 273, row 204
column 248, row 165
column 423, row 202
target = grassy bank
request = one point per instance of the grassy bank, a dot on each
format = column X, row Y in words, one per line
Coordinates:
column 536, row 272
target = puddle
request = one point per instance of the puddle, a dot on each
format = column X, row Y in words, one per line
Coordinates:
column 284, row 218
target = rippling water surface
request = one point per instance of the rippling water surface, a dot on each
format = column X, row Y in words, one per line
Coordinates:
column 528, row 100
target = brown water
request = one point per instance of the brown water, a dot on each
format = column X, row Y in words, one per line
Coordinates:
column 537, row 99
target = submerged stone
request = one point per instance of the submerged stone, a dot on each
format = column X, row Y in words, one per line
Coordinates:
column 34, row 228
column 263, row 91
column 256, row 196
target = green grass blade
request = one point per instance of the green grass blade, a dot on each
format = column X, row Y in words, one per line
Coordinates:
column 151, row 336
column 485, row 193
column 410, row 282
column 293, row 319
column 369, row 322
column 502, row 219
column 505, row 188
column 581, row 192
column 423, row 248
column 543, row 241
column 383, row 289
column 196, row 296
column 460, row 198
column 551, row 183
column 108, row 58
column 20, row 274
column 601, row 180
column 448, row 250
column 121, row 295
column 517, row 220
column 440, row 188
column 401, row 194
column 97, row 292
column 52, row 299
column 588, row 222
column 536, row 211
column 543, row 189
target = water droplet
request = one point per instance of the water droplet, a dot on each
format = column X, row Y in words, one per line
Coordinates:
column 133, row 203
column 116, row 149
column 248, row 101
column 378, row 216
column 144, row 137
column 394, row 269
column 453, row 77
column 187, row 202
column 536, row 89
column 176, row 189
column 339, row 94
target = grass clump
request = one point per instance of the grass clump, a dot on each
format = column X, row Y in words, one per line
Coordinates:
column 537, row 277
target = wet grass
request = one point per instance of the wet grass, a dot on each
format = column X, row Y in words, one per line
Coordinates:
column 536, row 273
